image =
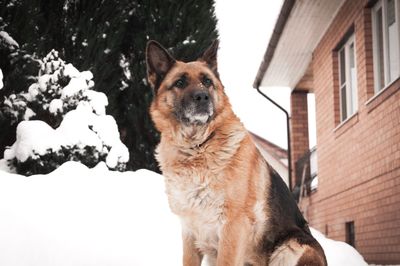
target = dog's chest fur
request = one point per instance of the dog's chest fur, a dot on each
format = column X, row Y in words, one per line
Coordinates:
column 194, row 188
column 200, row 208
column 195, row 185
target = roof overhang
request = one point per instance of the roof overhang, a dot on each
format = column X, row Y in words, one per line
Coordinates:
column 298, row 30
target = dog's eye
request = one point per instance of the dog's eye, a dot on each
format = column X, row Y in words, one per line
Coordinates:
column 207, row 82
column 180, row 83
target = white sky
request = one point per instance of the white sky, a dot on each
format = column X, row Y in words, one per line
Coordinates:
column 245, row 31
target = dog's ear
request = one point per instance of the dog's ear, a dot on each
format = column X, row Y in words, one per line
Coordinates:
column 210, row 56
column 159, row 62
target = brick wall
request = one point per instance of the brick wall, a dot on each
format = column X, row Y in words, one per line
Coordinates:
column 298, row 129
column 358, row 160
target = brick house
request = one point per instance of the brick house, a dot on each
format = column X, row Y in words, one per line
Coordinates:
column 347, row 53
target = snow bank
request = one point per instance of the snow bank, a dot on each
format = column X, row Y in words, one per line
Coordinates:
column 79, row 128
column 338, row 253
column 33, row 138
column 80, row 216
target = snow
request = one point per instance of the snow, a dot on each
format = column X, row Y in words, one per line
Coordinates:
column 28, row 113
column 56, row 105
column 32, row 137
column 33, row 91
column 71, row 71
column 81, row 82
column 80, row 216
column 8, row 40
column 74, row 129
column 87, row 75
column 85, row 129
column 74, row 86
column 118, row 153
column 337, row 252
column 98, row 101
column 37, row 138
column 1, row 79
column 51, row 63
column 43, row 81
column 106, row 128
column 16, row 102
column 188, row 40
column 124, row 64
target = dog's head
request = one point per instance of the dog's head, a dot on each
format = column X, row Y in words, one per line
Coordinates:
column 185, row 94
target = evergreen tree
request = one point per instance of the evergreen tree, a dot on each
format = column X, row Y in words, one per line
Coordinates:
column 61, row 99
column 109, row 38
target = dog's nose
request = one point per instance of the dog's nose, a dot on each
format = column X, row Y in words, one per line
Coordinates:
column 201, row 97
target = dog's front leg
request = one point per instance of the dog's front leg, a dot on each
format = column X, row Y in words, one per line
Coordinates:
column 191, row 255
column 233, row 242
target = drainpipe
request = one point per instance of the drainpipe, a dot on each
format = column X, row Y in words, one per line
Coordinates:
column 288, row 135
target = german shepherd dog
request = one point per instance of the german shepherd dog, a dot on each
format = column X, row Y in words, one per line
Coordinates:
column 234, row 208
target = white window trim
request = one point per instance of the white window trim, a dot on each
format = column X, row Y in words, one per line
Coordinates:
column 377, row 71
column 351, row 96
column 383, row 5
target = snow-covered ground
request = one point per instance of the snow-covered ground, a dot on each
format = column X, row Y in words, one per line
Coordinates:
column 76, row 216
column 80, row 216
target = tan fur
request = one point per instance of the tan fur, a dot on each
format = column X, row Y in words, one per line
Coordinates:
column 212, row 188
column 311, row 257
column 216, row 179
column 288, row 253
column 293, row 253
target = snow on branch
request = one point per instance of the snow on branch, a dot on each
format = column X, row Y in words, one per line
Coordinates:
column 7, row 41
column 1, row 79
column 75, row 126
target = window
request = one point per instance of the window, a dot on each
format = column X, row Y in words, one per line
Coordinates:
column 385, row 19
column 347, row 79
column 350, row 234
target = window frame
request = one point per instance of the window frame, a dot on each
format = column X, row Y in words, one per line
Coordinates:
column 351, row 104
column 378, row 84
column 350, row 228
